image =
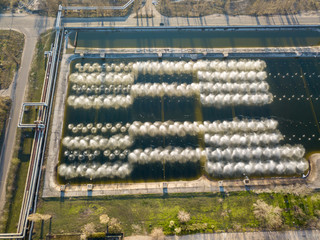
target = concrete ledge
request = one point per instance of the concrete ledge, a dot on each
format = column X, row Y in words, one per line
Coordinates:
column 203, row 184
column 193, row 28
column 198, row 53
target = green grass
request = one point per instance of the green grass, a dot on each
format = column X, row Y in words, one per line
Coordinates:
column 5, row 105
column 18, row 171
column 221, row 213
column 37, row 74
column 19, row 182
column 38, row 67
column 11, row 47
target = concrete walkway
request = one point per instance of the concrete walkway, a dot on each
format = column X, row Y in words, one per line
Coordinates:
column 312, row 18
column 313, row 179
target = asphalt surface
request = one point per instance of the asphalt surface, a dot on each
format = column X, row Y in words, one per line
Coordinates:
column 283, row 235
column 31, row 26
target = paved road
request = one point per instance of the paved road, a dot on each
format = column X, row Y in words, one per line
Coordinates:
column 284, row 235
column 31, row 27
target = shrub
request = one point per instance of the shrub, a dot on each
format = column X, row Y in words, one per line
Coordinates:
column 197, row 227
column 183, row 216
column 177, row 230
column 171, row 224
column 97, row 235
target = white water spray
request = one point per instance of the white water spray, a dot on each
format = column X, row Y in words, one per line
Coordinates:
column 97, row 142
column 260, row 153
column 266, row 168
column 247, row 139
column 168, row 154
column 222, row 100
column 95, row 170
column 233, row 76
column 170, row 128
column 102, row 78
column 102, row 101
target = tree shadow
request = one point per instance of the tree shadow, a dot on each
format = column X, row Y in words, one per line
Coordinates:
column 227, row 19
column 257, row 20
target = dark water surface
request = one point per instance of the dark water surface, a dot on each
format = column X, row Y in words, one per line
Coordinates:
column 294, row 83
column 196, row 39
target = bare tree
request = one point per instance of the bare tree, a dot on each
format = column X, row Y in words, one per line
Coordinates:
column 37, row 217
column 313, row 223
column 104, row 219
column 114, row 226
column 157, row 234
column 87, row 230
column 297, row 190
column 46, row 217
column 269, row 216
column 183, row 216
